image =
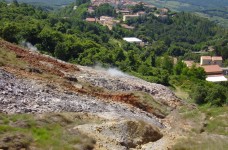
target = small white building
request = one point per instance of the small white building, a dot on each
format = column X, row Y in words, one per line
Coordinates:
column 218, row 78
column 132, row 40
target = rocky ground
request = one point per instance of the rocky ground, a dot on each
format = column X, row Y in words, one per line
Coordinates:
column 48, row 85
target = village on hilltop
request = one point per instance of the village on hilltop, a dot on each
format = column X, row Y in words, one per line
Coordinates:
column 123, row 7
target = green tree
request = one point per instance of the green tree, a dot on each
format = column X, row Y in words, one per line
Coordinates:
column 199, row 94
column 9, row 32
column 105, row 9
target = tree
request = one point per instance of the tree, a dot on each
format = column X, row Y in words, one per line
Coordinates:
column 199, row 94
column 61, row 51
column 178, row 68
column 49, row 39
column 216, row 96
column 105, row 9
column 15, row 3
column 79, row 2
column 9, row 32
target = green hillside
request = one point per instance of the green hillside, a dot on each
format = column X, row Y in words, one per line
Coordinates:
column 66, row 35
column 215, row 10
column 46, row 3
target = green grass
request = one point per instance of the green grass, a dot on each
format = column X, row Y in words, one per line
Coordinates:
column 9, row 58
column 209, row 128
column 51, row 131
column 182, row 94
column 217, row 119
column 202, row 142
column 147, row 99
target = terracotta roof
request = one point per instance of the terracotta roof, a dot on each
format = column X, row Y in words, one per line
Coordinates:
column 216, row 58
column 206, row 57
column 212, row 69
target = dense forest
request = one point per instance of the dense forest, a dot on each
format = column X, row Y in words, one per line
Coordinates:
column 64, row 34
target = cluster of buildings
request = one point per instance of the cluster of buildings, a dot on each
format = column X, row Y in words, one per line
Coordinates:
column 212, row 67
column 110, row 22
column 121, row 7
column 114, row 3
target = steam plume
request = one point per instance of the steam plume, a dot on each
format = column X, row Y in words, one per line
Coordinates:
column 29, row 46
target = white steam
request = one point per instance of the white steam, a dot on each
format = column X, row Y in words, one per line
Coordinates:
column 29, row 46
column 111, row 71
column 115, row 72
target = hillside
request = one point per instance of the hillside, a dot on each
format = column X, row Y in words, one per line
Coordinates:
column 67, row 83
column 34, row 84
column 214, row 10
column 50, row 4
column 37, row 84
column 49, row 101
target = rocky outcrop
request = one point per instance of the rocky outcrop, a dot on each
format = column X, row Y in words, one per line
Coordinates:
column 31, row 96
column 48, row 85
column 103, row 78
column 123, row 134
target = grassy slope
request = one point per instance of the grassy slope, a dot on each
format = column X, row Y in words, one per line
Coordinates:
column 50, row 131
column 208, row 126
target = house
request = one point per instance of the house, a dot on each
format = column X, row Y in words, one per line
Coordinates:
column 217, row 60
column 205, row 60
column 213, row 70
column 189, row 63
column 108, row 21
column 214, row 73
column 132, row 40
column 127, row 17
column 208, row 60
column 123, row 12
column 211, row 66
column 91, row 19
column 163, row 11
column 141, row 13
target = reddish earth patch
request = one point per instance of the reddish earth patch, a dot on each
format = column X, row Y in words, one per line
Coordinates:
column 58, row 68
column 127, row 98
column 35, row 59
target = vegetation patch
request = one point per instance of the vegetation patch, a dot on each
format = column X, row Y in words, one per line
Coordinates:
column 44, row 131
column 10, row 58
